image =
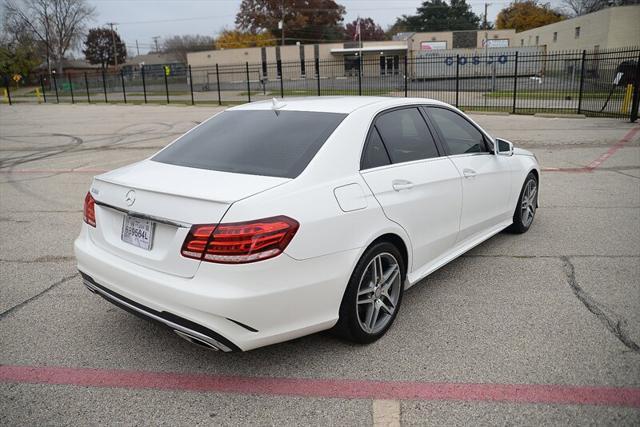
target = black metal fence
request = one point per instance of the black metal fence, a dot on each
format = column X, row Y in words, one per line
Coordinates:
column 595, row 83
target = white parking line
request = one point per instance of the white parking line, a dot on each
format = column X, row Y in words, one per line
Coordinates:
column 386, row 413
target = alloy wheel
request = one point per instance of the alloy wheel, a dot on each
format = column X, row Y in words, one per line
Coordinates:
column 378, row 293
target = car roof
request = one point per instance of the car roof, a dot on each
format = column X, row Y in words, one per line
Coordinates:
column 333, row 104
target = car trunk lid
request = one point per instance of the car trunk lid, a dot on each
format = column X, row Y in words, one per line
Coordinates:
column 168, row 199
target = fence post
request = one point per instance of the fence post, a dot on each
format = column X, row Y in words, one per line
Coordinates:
column 6, row 85
column 55, row 85
column 124, row 92
column 281, row 74
column 86, row 85
column 44, row 95
column 144, row 84
column 584, row 54
column 457, row 77
column 166, row 83
column 246, row 64
column 515, row 84
column 218, row 85
column 317, row 61
column 360, row 75
column 73, row 101
column 636, row 94
column 405, row 76
column 104, row 87
column 191, row 85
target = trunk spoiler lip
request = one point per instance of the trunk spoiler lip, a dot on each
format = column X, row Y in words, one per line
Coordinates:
column 161, row 220
column 107, row 180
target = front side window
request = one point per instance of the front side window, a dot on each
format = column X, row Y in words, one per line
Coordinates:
column 460, row 136
column 254, row 142
column 406, row 136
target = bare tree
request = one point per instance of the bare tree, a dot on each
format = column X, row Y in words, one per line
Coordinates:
column 582, row 7
column 180, row 45
column 57, row 24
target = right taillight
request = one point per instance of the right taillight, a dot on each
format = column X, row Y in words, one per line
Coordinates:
column 240, row 242
column 89, row 210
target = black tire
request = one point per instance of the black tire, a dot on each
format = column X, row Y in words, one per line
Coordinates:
column 521, row 225
column 348, row 325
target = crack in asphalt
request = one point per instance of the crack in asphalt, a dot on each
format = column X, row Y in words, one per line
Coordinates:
column 612, row 321
column 38, row 295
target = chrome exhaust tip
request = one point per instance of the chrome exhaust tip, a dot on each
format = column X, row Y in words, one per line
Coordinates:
column 195, row 340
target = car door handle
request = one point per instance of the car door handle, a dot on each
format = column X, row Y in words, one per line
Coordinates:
column 401, row 184
column 469, row 173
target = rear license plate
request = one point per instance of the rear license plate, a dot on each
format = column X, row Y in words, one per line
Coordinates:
column 138, row 232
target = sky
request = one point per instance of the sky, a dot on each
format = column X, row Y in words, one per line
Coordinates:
column 141, row 20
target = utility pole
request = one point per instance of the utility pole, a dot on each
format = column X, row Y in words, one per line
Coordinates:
column 155, row 40
column 282, row 23
column 137, row 48
column 113, row 39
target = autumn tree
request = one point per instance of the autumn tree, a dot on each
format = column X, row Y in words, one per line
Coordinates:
column 239, row 39
column 57, row 24
column 369, row 30
column 304, row 20
column 527, row 14
column 438, row 15
column 178, row 46
column 99, row 47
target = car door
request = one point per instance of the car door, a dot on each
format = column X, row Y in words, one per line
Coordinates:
column 416, row 186
column 486, row 178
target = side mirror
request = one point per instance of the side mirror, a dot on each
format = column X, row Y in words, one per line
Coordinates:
column 505, row 148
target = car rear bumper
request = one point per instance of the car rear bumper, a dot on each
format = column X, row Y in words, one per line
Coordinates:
column 228, row 307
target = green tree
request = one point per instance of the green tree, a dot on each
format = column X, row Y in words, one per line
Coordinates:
column 98, row 47
column 438, row 15
column 527, row 14
column 304, row 20
column 18, row 56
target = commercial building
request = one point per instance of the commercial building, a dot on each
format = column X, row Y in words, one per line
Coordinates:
column 609, row 28
column 614, row 27
column 379, row 57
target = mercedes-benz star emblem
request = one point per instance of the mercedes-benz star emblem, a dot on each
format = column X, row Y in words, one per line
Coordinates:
column 130, row 197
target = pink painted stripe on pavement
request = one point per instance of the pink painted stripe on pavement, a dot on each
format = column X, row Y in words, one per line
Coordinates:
column 324, row 388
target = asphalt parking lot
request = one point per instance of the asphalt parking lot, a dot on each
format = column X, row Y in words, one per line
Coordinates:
column 540, row 328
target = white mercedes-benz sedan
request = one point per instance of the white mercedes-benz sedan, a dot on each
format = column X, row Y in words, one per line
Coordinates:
column 278, row 219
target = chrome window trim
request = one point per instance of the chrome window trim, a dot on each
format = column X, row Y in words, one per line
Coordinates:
column 157, row 219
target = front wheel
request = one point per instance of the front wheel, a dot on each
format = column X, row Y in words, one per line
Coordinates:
column 527, row 205
column 373, row 296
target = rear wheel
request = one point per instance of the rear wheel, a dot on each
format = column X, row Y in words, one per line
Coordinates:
column 373, row 296
column 527, row 205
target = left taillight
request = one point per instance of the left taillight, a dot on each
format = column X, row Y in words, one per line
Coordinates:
column 240, row 242
column 90, row 210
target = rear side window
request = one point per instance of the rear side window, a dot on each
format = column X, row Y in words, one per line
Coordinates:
column 264, row 142
column 375, row 154
column 406, row 136
column 460, row 135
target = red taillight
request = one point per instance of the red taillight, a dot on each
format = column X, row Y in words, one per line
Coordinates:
column 89, row 210
column 240, row 242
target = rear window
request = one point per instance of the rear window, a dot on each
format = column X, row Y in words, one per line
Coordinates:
column 264, row 142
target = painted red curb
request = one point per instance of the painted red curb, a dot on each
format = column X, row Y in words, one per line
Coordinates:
column 324, row 388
